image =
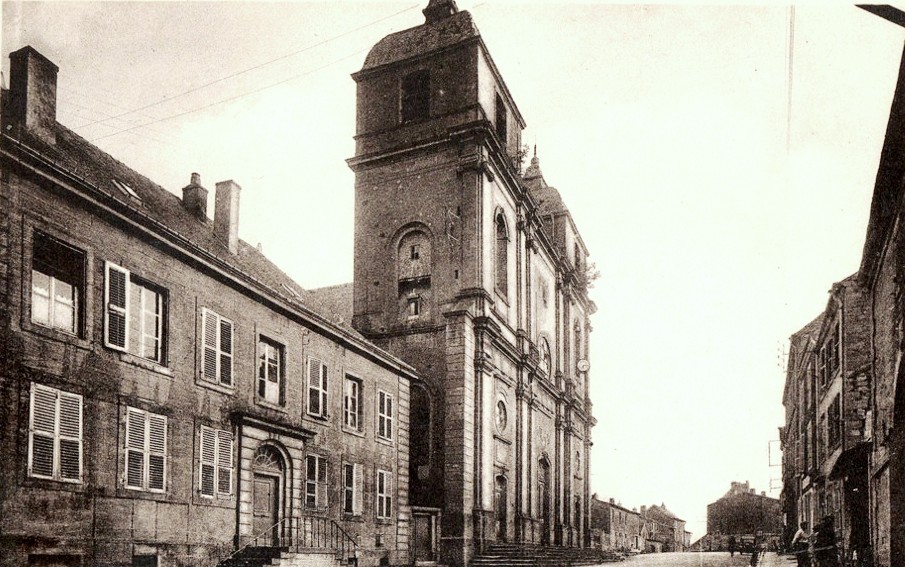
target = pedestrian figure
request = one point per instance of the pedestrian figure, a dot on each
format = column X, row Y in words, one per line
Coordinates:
column 800, row 544
column 825, row 543
column 755, row 553
column 732, row 546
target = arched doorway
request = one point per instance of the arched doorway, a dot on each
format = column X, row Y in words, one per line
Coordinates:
column 269, row 470
column 543, row 499
column 500, row 505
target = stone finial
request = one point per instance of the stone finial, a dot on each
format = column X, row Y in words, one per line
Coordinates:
column 438, row 10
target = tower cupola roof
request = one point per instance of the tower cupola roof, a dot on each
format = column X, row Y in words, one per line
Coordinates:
column 439, row 9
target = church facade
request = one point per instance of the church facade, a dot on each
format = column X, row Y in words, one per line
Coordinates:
column 472, row 270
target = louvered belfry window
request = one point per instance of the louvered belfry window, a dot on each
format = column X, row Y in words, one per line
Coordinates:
column 217, row 338
column 55, row 434
column 146, row 450
column 216, row 462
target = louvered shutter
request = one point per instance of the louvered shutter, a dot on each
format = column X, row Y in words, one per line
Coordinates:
column 388, row 500
column 323, row 390
column 389, row 420
column 209, row 323
column 208, row 458
column 224, row 462
column 157, row 451
column 381, row 488
column 226, row 352
column 135, row 448
column 70, row 436
column 322, row 476
column 357, row 490
column 314, row 380
column 43, row 431
column 116, row 314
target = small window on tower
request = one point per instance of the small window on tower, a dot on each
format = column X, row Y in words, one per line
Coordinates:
column 415, row 96
column 501, row 120
column 414, row 304
column 415, row 251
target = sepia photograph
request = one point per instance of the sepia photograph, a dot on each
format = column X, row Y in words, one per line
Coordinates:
column 452, row 283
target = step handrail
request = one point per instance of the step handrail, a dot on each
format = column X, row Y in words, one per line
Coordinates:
column 253, row 540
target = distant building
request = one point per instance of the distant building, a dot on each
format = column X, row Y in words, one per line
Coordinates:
column 666, row 531
column 616, row 527
column 742, row 511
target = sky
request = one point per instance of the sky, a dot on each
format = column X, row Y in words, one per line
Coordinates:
column 718, row 161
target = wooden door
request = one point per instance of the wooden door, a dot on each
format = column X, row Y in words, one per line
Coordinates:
column 266, row 507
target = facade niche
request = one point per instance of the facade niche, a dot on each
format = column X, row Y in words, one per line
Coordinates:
column 501, row 269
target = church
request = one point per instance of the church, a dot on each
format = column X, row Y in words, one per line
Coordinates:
column 470, row 268
column 173, row 398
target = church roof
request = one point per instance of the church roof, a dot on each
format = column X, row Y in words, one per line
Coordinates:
column 419, row 40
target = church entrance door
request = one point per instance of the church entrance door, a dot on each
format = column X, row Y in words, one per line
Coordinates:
column 499, row 505
column 543, row 500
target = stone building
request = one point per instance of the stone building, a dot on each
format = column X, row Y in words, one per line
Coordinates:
column 742, row 511
column 665, row 530
column 827, row 398
column 475, row 274
column 168, row 393
column 619, row 528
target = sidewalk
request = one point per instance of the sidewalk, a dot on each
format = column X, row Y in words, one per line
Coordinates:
column 775, row 560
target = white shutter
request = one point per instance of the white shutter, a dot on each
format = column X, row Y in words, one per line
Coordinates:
column 208, row 457
column 43, row 431
column 135, row 448
column 314, row 381
column 226, row 352
column 116, row 313
column 70, row 424
column 322, row 476
column 357, row 490
column 157, row 451
column 209, row 323
column 224, row 462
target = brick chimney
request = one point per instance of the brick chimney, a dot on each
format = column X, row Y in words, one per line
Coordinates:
column 226, row 214
column 33, row 93
column 194, row 198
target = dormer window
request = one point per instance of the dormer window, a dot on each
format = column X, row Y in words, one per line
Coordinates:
column 415, row 96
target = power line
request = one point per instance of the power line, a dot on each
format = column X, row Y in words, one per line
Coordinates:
column 258, row 66
column 271, row 85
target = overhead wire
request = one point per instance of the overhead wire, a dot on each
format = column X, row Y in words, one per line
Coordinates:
column 257, row 66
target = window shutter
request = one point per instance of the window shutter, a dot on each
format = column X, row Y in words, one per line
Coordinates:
column 135, row 447
column 226, row 352
column 314, row 380
column 224, row 462
column 323, row 389
column 209, row 324
column 208, row 456
column 70, row 436
column 157, row 451
column 357, row 492
column 322, row 484
column 116, row 314
column 43, row 430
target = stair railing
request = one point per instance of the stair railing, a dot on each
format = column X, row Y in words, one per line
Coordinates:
column 254, row 540
column 324, row 533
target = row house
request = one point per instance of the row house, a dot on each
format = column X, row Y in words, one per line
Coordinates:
column 827, row 401
column 665, row 530
column 742, row 512
column 170, row 395
column 616, row 527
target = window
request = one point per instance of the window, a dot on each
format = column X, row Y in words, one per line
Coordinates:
column 546, row 361
column 384, row 416
column 415, row 103
column 414, row 306
column 270, row 371
column 415, row 252
column 57, row 284
column 384, row 494
column 500, row 123
column 317, row 388
column 316, row 482
column 352, row 403
column 352, row 493
column 216, row 471
column 502, row 260
column 146, row 450
column 134, row 308
column 217, row 334
column 55, row 434
column 834, row 424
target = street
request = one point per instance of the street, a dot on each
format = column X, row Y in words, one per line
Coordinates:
column 711, row 559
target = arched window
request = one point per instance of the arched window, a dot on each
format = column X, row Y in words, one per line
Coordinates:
column 577, row 342
column 414, row 256
column 502, row 255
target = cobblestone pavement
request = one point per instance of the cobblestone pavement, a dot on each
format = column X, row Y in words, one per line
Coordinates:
column 712, row 559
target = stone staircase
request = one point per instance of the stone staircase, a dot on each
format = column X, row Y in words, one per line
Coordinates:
column 259, row 556
column 522, row 555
